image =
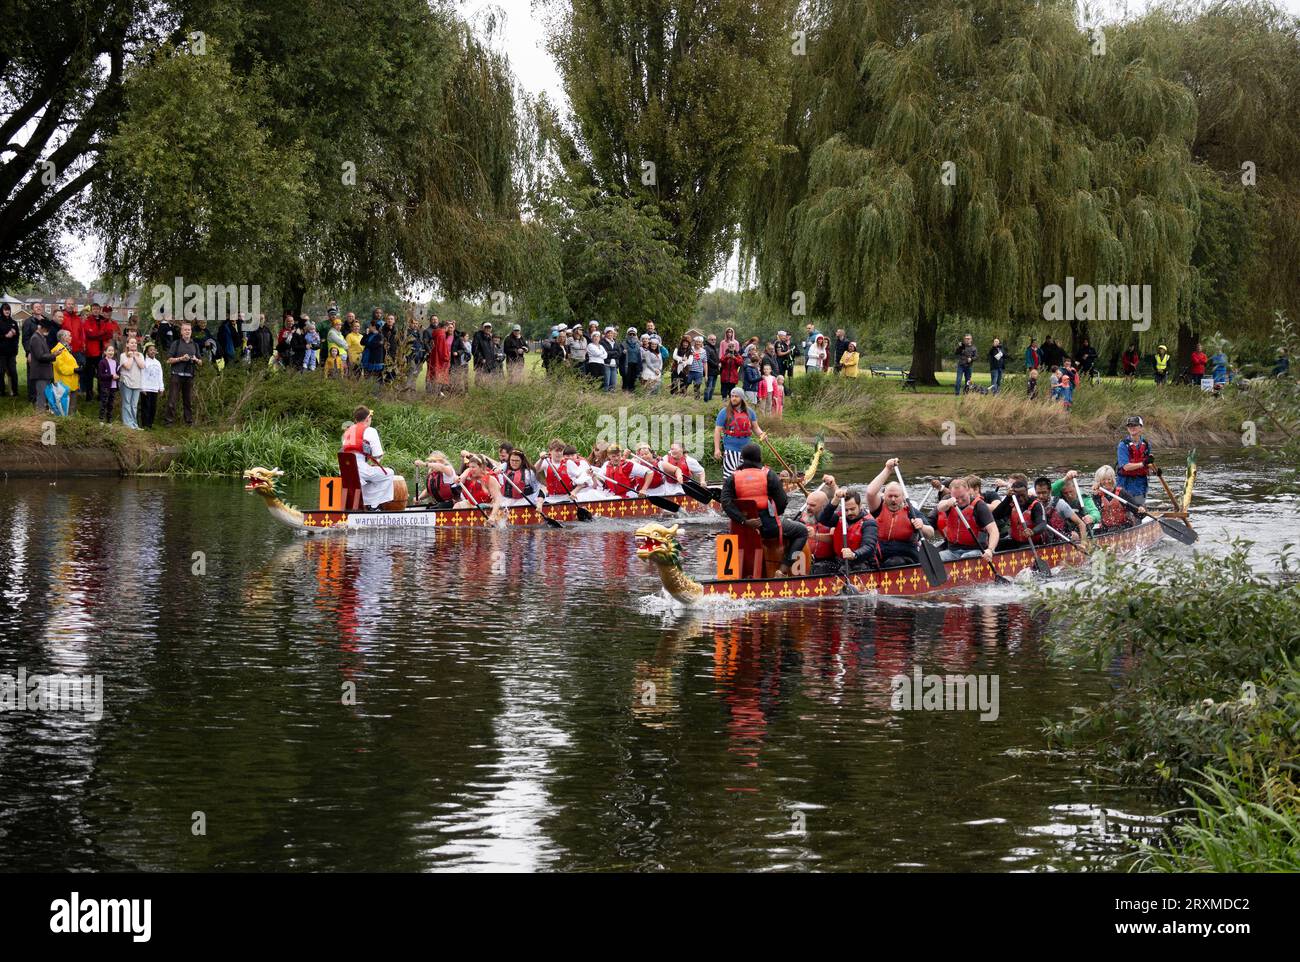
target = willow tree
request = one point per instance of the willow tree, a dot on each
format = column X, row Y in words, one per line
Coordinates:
column 960, row 158
column 674, row 102
column 1241, row 63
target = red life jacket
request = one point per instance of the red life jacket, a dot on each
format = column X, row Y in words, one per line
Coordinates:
column 1136, row 452
column 1023, row 532
column 521, row 483
column 619, row 479
column 957, row 533
column 682, row 464
column 821, row 550
column 854, row 533
column 1113, row 512
column 354, row 438
column 476, row 491
column 656, row 476
column 556, row 482
column 738, row 424
column 895, row 525
column 1054, row 521
column 439, row 487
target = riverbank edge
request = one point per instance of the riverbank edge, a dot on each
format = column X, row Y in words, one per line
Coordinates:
column 35, row 460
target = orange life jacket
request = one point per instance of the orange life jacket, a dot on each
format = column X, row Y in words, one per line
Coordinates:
column 439, row 487
column 751, row 488
column 681, row 464
column 895, row 525
column 619, row 479
column 854, row 531
column 477, row 491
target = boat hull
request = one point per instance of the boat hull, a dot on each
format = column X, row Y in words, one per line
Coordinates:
column 523, row 517
column 910, row 580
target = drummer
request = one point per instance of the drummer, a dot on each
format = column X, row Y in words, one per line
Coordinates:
column 362, row 440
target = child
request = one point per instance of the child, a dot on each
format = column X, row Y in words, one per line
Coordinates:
column 354, row 349
column 107, row 373
column 1031, row 383
column 313, row 348
column 778, row 397
column 766, row 388
column 151, row 387
column 1055, row 383
column 334, row 363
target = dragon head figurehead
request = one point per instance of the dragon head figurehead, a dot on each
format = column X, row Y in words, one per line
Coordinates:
column 262, row 481
column 659, row 546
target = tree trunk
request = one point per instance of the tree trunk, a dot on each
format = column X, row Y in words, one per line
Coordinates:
column 294, row 294
column 1187, row 339
column 925, row 355
column 1112, row 366
column 1078, row 331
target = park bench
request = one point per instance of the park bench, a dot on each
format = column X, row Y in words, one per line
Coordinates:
column 907, row 382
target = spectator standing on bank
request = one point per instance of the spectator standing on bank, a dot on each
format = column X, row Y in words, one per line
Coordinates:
column 10, row 335
column 632, row 360
column 183, row 362
column 40, row 363
column 130, row 379
column 107, row 376
column 997, row 364
column 151, row 386
column 966, row 354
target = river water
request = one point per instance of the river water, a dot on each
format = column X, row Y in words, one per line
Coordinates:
column 518, row 700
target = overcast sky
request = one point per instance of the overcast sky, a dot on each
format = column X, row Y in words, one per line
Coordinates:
column 522, row 36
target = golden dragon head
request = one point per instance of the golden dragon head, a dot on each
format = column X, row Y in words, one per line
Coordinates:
column 658, row 544
column 262, row 480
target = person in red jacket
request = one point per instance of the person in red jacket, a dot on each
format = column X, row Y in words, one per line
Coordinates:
column 90, row 326
column 74, row 324
column 729, row 369
column 1199, row 360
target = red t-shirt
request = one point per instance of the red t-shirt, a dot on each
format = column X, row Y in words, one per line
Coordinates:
column 731, row 368
column 1199, row 360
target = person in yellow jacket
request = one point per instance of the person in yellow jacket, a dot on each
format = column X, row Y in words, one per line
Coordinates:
column 1162, row 363
column 849, row 360
column 65, row 372
column 353, row 339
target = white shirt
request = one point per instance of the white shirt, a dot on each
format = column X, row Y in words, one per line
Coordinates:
column 595, row 353
column 153, row 376
column 816, row 359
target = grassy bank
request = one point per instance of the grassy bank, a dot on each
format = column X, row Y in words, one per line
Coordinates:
column 1208, row 708
column 248, row 418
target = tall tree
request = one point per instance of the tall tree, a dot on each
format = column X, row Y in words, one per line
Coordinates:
column 676, row 102
column 959, row 158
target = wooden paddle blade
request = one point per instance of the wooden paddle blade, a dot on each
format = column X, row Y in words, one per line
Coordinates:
column 935, row 573
column 552, row 523
column 664, row 503
column 1179, row 531
column 1042, row 567
column 698, row 491
column 584, row 514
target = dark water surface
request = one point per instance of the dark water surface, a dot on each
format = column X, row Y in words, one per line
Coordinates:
column 523, row 700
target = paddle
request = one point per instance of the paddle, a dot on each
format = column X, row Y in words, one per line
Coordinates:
column 1168, row 491
column 654, row 499
column 692, row 487
column 1064, row 540
column 848, row 588
column 1177, row 530
column 997, row 575
column 583, row 513
column 550, row 522
column 935, row 573
column 1041, row 566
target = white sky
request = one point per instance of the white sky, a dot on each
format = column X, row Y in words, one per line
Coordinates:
column 522, row 36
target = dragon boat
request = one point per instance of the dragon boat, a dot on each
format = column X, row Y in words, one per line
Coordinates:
column 397, row 514
column 658, row 545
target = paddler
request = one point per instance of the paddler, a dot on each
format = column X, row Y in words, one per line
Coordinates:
column 819, row 535
column 1068, row 488
column 899, row 526
column 734, row 428
column 553, row 472
column 678, row 465
column 648, row 476
column 1027, row 524
column 752, row 497
column 440, row 487
column 854, row 541
column 1060, row 515
column 1133, row 461
column 1118, row 507
column 362, row 440
column 479, row 485
column 617, row 473
column 978, row 535
column 518, row 480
